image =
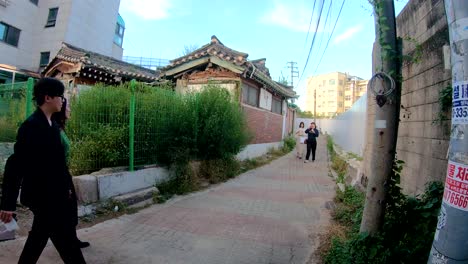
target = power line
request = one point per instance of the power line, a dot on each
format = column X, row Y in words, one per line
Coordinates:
column 310, row 23
column 324, row 25
column 333, row 30
column 313, row 41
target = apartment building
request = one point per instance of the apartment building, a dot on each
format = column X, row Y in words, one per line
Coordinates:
column 355, row 88
column 333, row 93
column 32, row 31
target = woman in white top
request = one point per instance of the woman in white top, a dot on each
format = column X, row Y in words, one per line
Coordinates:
column 300, row 138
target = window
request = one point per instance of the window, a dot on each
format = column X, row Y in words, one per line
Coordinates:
column 44, row 59
column 341, row 82
column 348, row 98
column 250, row 95
column 331, row 82
column 9, row 34
column 340, row 93
column 34, row 1
column 276, row 106
column 340, row 104
column 52, row 18
column 119, row 31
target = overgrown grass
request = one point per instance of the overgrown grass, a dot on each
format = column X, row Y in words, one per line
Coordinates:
column 355, row 156
column 338, row 164
column 406, row 235
column 168, row 127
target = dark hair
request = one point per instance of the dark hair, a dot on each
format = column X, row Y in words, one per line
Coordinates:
column 301, row 123
column 313, row 123
column 60, row 117
column 47, row 86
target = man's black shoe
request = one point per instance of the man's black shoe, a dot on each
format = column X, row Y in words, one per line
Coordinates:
column 82, row 244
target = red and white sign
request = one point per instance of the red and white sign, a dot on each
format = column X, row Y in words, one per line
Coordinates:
column 456, row 186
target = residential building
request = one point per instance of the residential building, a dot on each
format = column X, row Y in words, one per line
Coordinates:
column 333, row 93
column 263, row 100
column 355, row 88
column 32, row 31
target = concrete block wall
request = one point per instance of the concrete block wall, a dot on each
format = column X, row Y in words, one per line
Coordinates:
column 422, row 143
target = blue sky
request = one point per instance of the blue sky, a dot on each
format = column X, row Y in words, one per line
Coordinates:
column 273, row 29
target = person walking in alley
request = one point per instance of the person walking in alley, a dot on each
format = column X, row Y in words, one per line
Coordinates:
column 300, row 138
column 46, row 186
column 312, row 134
column 61, row 118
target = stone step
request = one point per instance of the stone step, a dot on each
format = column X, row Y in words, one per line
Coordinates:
column 137, row 196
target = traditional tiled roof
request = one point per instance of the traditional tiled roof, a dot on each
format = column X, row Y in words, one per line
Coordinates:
column 214, row 48
column 254, row 69
column 95, row 60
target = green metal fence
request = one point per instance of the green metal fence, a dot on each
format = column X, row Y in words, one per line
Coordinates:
column 133, row 125
column 127, row 126
column 15, row 106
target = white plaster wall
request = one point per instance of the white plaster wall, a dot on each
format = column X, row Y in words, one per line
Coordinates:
column 21, row 14
column 347, row 129
column 231, row 87
column 91, row 25
column 88, row 24
column 265, row 99
column 50, row 39
column 256, row 150
column 117, row 52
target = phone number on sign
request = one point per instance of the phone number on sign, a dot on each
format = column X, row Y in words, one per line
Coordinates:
column 456, row 199
column 460, row 112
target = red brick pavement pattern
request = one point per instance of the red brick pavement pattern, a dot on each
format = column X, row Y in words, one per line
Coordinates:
column 300, row 179
column 227, row 225
column 262, row 194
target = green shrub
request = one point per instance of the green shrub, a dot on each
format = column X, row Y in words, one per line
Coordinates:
column 222, row 127
column 289, row 143
column 206, row 125
column 98, row 129
column 407, row 232
column 12, row 114
column 181, row 180
column 219, row 170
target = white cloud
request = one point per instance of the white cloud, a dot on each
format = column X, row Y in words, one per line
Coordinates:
column 349, row 33
column 147, row 9
column 295, row 17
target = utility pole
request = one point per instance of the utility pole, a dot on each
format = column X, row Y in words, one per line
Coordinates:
column 294, row 71
column 450, row 240
column 385, row 130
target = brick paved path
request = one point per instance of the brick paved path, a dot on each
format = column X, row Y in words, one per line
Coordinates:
column 268, row 215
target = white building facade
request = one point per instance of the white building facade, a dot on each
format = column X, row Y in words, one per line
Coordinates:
column 32, row 31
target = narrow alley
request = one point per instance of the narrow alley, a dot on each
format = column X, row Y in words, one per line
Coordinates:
column 269, row 215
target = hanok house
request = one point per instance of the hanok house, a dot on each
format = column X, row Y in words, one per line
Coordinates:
column 263, row 100
column 76, row 67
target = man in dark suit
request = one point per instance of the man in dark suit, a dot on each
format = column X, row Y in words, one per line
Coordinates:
column 40, row 169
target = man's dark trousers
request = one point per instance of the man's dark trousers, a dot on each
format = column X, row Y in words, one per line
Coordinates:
column 311, row 145
column 52, row 224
